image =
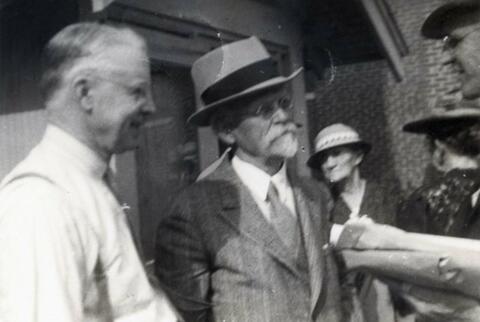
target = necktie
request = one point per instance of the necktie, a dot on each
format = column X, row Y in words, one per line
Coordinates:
column 283, row 220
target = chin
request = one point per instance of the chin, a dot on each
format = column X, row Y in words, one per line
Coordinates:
column 335, row 178
column 285, row 148
column 332, row 180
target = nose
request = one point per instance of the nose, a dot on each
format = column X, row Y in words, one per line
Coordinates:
column 281, row 115
column 149, row 107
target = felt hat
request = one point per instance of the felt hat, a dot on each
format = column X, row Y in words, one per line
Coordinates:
column 230, row 72
column 335, row 135
column 452, row 15
column 446, row 120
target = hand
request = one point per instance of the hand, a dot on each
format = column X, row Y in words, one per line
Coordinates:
column 364, row 233
column 362, row 219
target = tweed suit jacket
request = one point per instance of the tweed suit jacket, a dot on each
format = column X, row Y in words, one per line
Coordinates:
column 220, row 260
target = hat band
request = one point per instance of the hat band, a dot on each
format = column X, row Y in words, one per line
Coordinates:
column 240, row 80
column 336, row 139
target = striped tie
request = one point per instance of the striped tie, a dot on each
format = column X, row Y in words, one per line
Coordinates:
column 284, row 221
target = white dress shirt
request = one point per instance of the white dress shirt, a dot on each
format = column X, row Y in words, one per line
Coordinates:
column 258, row 181
column 67, row 254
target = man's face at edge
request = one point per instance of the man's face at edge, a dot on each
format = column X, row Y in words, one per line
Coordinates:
column 463, row 49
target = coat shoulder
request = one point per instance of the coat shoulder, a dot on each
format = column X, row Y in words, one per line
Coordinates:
column 202, row 197
column 315, row 189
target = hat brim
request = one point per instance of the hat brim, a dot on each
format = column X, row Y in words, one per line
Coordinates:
column 202, row 117
column 434, row 26
column 437, row 125
column 314, row 160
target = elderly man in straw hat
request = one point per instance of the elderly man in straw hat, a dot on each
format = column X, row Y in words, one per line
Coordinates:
column 248, row 242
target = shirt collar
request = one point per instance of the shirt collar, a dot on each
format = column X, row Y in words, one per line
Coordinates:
column 77, row 152
column 257, row 180
column 280, row 179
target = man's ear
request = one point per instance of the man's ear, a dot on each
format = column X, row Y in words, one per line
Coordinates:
column 82, row 88
column 226, row 136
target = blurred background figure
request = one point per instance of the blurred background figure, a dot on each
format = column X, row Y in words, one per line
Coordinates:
column 339, row 151
column 446, row 204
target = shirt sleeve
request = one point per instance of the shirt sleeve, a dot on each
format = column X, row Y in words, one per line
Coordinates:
column 42, row 271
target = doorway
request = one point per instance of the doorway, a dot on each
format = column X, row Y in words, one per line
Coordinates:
column 167, row 159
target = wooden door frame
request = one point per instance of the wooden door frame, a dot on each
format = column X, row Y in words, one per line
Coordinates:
column 165, row 34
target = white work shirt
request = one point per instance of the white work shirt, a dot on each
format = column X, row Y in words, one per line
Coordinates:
column 258, row 181
column 66, row 252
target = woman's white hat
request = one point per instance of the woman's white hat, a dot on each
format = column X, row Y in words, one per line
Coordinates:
column 335, row 135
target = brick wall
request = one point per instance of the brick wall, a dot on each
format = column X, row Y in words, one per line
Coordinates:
column 367, row 97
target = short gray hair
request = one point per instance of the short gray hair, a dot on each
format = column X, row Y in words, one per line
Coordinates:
column 79, row 41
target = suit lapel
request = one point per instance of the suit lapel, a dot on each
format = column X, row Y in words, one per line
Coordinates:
column 242, row 213
column 311, row 229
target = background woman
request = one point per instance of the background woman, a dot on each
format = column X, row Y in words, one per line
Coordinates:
column 339, row 151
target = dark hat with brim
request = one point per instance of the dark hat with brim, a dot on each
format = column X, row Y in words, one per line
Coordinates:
column 443, row 122
column 333, row 136
column 452, row 15
column 230, row 72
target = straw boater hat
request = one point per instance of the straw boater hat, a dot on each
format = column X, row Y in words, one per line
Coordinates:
column 453, row 15
column 333, row 136
column 446, row 120
column 232, row 71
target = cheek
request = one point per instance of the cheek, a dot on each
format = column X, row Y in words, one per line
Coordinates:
column 251, row 134
column 340, row 165
column 323, row 167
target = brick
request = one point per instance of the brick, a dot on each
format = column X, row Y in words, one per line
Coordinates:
column 367, row 97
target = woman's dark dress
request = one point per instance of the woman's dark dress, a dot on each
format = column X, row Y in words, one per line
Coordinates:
column 376, row 204
column 381, row 207
column 444, row 206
